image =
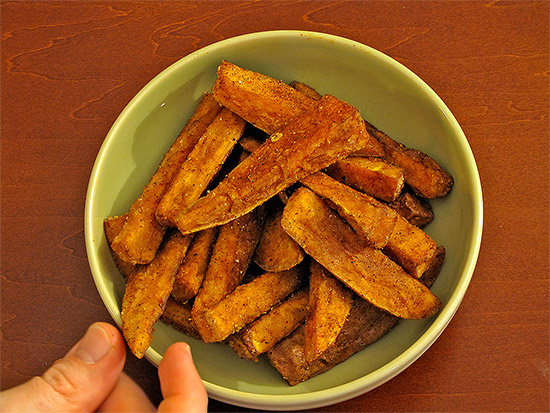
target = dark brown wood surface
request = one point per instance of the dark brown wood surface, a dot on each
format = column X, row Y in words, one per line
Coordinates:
column 69, row 68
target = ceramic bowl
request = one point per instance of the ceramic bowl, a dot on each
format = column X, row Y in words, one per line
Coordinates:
column 389, row 96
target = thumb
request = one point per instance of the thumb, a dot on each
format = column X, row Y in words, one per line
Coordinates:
column 80, row 381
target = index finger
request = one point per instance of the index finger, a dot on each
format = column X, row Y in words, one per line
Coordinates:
column 181, row 385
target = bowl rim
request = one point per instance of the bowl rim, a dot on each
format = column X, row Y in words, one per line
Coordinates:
column 346, row 391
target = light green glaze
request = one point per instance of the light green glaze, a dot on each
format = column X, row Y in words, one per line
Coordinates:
column 389, row 96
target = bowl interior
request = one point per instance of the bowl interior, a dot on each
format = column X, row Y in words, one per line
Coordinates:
column 390, row 97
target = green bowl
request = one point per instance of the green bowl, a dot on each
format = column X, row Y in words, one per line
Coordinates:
column 389, row 96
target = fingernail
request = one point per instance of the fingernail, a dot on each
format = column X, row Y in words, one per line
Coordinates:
column 94, row 345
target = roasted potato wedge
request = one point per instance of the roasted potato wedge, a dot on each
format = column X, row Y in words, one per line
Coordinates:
column 265, row 102
column 193, row 268
column 178, row 315
column 276, row 251
column 424, row 175
column 112, row 227
column 329, row 305
column 201, row 166
column 330, row 131
column 373, row 176
column 230, row 258
column 410, row 247
column 147, row 291
column 365, row 325
column 141, row 236
column 367, row 271
column 372, row 221
column 246, row 303
column 262, row 334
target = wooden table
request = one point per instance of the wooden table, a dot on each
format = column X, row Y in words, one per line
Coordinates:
column 69, row 68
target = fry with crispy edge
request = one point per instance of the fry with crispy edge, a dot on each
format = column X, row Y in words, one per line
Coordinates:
column 141, row 235
column 330, row 131
column 193, row 268
column 263, row 101
column 372, row 221
column 373, row 148
column 246, row 303
column 263, row 333
column 367, row 271
column 410, row 247
column 178, row 315
column 201, row 166
column 276, row 251
column 112, row 227
column 147, row 291
column 230, row 258
column 373, row 176
column 365, row 325
column 329, row 305
column 424, row 175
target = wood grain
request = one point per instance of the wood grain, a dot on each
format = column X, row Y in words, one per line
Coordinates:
column 69, row 68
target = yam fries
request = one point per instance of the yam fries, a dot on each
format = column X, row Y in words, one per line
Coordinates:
column 147, row 291
column 219, row 250
column 328, row 309
column 201, row 166
column 367, row 271
column 328, row 132
column 142, row 234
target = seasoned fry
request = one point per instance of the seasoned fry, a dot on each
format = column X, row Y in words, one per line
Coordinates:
column 246, row 303
column 193, row 268
column 267, row 103
column 147, row 291
column 178, row 316
column 201, row 166
column 427, row 178
column 415, row 210
column 372, row 148
column 276, row 251
column 372, row 221
column 306, row 90
column 330, row 131
column 141, row 235
column 364, row 326
column 329, row 305
column 367, row 271
column 373, row 176
column 230, row 258
column 410, row 247
column 261, row 335
column 112, row 227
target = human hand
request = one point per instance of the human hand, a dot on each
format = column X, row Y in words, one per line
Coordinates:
column 90, row 377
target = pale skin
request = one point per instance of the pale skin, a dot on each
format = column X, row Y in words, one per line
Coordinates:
column 90, row 378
